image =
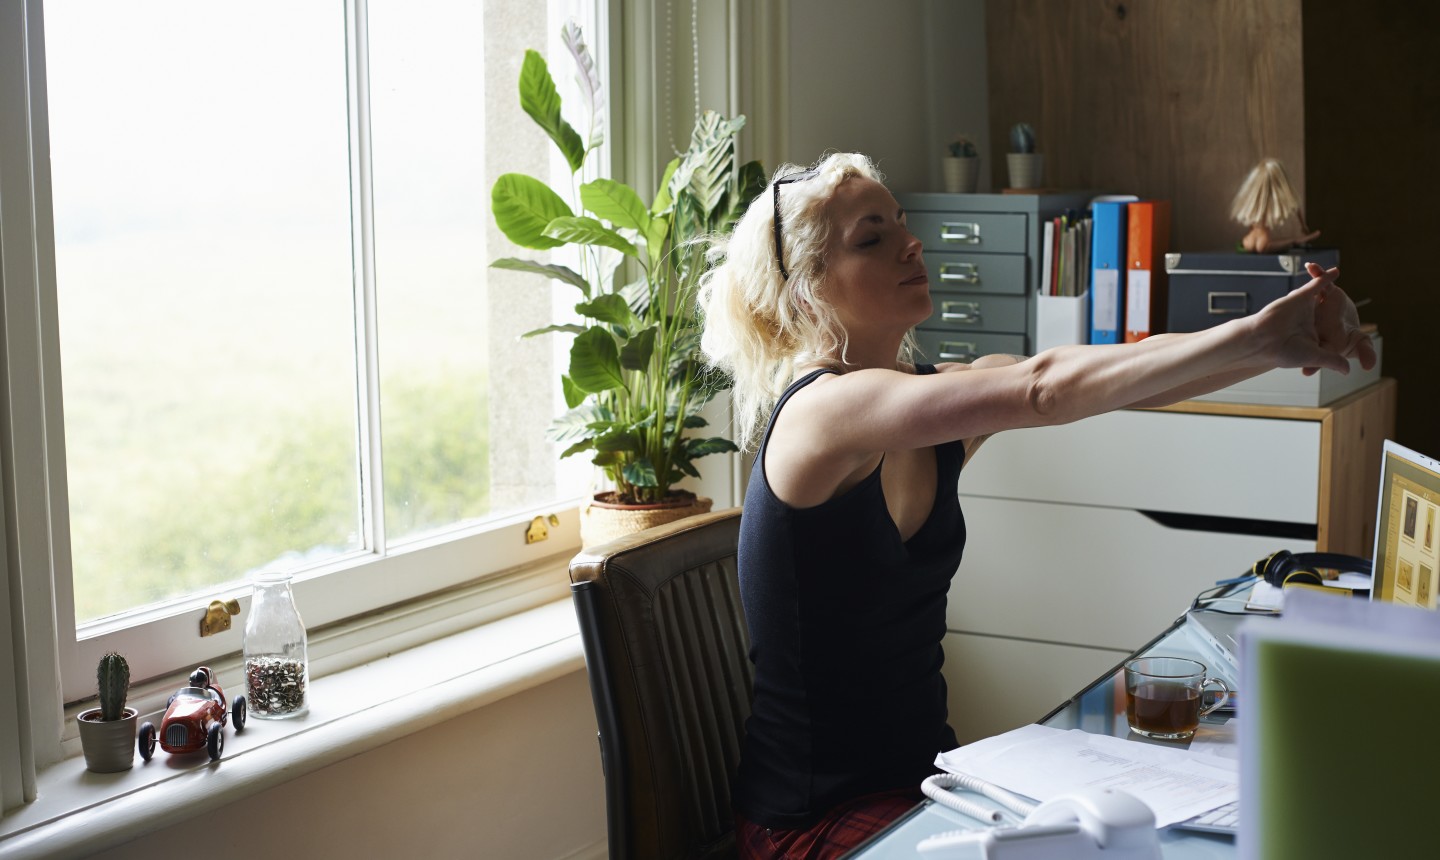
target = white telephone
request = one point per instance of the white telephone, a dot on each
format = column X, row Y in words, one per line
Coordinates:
column 1099, row 823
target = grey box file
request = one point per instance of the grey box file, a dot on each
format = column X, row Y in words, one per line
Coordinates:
column 1210, row 287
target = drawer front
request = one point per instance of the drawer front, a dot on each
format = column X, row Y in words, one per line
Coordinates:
column 941, row 346
column 988, row 232
column 975, row 312
column 1213, row 465
column 1088, row 576
column 995, row 685
column 977, row 273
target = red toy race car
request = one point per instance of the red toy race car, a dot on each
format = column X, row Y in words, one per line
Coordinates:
column 194, row 719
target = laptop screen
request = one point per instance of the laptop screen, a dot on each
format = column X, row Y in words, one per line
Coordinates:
column 1407, row 529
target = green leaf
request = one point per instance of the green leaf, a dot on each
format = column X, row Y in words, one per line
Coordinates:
column 606, row 458
column 655, row 238
column 619, row 440
column 609, row 308
column 641, row 473
column 663, row 198
column 709, row 162
column 540, row 100
column 589, row 80
column 558, row 272
column 569, row 329
column 635, row 355
column 687, row 467
column 573, row 395
column 524, row 207
column 617, row 203
column 575, row 424
column 693, row 421
column 713, row 445
column 595, row 362
column 749, row 181
column 637, row 296
column 587, row 231
column 583, row 445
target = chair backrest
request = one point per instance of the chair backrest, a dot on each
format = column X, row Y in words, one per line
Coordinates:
column 667, row 651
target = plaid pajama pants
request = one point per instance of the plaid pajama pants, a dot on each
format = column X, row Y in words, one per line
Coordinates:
column 838, row 831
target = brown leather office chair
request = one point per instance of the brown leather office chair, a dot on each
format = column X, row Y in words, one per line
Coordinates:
column 667, row 651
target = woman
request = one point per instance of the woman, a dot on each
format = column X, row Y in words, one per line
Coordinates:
column 851, row 527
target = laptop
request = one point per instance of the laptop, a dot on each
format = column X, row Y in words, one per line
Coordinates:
column 1407, row 529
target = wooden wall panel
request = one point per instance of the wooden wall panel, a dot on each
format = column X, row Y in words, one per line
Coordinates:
column 1174, row 100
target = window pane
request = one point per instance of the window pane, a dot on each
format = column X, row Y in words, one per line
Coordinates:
column 464, row 400
column 201, row 195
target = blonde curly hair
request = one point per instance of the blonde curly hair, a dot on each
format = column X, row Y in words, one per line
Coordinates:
column 759, row 325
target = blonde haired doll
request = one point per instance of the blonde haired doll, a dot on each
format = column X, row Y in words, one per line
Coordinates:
column 1265, row 202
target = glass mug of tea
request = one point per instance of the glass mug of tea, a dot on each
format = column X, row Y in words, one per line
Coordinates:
column 1163, row 694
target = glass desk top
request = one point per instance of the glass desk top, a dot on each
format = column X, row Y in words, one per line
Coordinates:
column 1099, row 709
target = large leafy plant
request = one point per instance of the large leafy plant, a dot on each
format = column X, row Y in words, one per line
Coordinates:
column 635, row 385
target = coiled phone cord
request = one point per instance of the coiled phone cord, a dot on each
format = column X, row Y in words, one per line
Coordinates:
column 936, row 788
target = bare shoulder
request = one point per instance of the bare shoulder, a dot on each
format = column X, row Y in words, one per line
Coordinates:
column 802, row 462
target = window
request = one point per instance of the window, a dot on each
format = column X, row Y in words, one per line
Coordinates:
column 279, row 340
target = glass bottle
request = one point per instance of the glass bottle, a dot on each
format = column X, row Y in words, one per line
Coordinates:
column 277, row 668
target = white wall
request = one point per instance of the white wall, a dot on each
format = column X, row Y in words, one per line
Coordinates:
column 895, row 80
column 517, row 779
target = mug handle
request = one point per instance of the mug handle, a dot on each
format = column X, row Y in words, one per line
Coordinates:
column 1224, row 695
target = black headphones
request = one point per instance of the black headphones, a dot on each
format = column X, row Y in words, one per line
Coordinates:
column 1302, row 568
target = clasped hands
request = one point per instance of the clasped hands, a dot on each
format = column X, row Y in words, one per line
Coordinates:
column 1317, row 326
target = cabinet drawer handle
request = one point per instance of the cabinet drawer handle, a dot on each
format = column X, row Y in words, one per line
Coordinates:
column 1242, row 310
column 960, row 273
column 961, row 312
column 958, row 351
column 966, row 232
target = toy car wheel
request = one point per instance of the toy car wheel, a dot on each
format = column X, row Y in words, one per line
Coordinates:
column 147, row 740
column 215, row 741
column 238, row 712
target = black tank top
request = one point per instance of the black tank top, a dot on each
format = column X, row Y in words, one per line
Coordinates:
column 846, row 622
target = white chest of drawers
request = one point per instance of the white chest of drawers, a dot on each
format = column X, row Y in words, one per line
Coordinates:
column 1085, row 540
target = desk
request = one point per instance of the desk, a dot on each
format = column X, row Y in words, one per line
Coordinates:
column 1100, row 709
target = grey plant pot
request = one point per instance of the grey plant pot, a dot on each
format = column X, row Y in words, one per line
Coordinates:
column 109, row 745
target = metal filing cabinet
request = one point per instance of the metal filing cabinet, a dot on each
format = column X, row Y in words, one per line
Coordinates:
column 983, row 252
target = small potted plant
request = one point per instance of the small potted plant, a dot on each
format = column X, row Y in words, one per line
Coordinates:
column 1027, row 167
column 107, row 733
column 961, row 166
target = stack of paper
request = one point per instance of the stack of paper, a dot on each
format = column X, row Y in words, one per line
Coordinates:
column 1044, row 763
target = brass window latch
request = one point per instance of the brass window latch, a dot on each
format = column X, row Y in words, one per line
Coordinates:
column 217, row 616
column 537, row 531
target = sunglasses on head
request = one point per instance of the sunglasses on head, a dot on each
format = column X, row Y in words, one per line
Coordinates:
column 775, row 194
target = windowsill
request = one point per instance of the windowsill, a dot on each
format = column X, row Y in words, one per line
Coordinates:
column 383, row 692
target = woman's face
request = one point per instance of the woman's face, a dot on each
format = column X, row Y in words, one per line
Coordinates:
column 874, row 272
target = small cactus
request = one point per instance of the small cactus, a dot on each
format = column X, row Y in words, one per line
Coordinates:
column 113, row 678
column 962, row 147
column 1022, row 138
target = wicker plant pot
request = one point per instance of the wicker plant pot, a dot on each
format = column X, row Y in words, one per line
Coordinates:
column 604, row 520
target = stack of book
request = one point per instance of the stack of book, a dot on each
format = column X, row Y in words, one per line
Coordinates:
column 1102, row 274
column 1066, row 255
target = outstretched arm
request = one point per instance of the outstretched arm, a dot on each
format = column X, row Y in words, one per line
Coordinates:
column 1337, row 328
column 866, row 411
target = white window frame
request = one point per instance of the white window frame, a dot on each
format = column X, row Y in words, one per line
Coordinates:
column 163, row 638
column 34, row 545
